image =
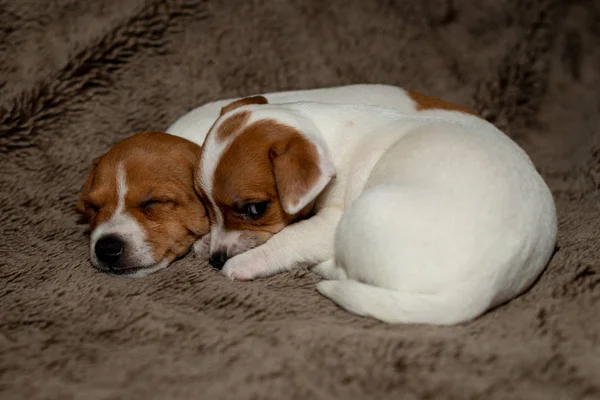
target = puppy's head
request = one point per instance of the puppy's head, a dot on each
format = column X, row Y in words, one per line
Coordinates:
column 261, row 169
column 141, row 205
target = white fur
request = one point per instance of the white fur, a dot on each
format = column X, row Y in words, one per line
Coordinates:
column 222, row 240
column 195, row 125
column 434, row 216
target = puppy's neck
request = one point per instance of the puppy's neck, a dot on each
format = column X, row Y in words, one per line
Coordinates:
column 342, row 129
column 334, row 122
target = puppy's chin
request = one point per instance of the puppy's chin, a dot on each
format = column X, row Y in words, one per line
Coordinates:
column 133, row 272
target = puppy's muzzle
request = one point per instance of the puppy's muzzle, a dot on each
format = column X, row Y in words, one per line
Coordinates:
column 218, row 259
column 109, row 249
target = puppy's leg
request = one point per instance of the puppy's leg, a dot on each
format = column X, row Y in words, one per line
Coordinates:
column 329, row 270
column 393, row 243
column 304, row 243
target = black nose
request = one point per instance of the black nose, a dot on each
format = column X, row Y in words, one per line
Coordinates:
column 218, row 259
column 109, row 249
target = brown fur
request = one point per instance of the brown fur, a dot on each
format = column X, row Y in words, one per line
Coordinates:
column 243, row 102
column 232, row 125
column 158, row 166
column 429, row 103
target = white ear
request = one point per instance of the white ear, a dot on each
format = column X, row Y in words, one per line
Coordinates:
column 302, row 169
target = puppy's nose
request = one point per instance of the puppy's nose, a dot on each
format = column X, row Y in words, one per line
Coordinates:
column 218, row 259
column 108, row 249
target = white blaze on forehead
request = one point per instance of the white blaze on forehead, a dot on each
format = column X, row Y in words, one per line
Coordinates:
column 121, row 188
column 212, row 152
column 210, row 159
column 121, row 184
column 124, row 226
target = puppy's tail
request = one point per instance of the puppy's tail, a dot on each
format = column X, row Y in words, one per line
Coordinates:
column 395, row 307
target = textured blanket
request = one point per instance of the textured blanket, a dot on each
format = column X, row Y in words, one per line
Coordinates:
column 77, row 76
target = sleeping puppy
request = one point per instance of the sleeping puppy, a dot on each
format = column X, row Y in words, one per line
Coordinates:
column 425, row 215
column 139, row 196
column 195, row 124
column 140, row 202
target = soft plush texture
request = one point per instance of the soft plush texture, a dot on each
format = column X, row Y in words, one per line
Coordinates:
column 78, row 76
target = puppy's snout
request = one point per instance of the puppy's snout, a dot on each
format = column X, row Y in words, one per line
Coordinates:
column 218, row 259
column 108, row 249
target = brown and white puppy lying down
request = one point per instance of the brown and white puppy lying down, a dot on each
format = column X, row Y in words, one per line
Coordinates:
column 140, row 202
column 421, row 215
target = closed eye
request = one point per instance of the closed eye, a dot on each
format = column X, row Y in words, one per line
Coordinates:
column 92, row 207
column 147, row 205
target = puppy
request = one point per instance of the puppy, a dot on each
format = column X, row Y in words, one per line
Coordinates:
column 195, row 125
column 141, row 205
column 138, row 197
column 424, row 215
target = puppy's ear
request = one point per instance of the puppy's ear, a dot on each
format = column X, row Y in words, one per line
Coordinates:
column 196, row 176
column 80, row 206
column 198, row 221
column 302, row 169
column 244, row 102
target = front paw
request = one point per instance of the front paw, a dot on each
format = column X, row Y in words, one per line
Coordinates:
column 202, row 248
column 246, row 266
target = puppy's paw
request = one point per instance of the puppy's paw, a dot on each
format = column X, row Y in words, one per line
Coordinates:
column 238, row 270
column 202, row 248
column 246, row 266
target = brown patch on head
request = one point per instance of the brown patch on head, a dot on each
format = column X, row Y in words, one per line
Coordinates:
column 232, row 124
column 244, row 102
column 431, row 103
column 268, row 162
column 159, row 171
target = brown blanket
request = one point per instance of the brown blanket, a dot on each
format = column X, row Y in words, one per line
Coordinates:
column 77, row 76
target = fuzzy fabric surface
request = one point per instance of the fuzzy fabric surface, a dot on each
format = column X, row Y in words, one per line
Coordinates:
column 78, row 76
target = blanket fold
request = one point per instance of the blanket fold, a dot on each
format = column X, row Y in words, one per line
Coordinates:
column 76, row 77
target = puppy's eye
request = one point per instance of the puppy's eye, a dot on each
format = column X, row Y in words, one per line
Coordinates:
column 254, row 210
column 148, row 205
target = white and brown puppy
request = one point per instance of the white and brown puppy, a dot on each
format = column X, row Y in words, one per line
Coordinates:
column 195, row 125
column 421, row 216
column 141, row 205
column 139, row 196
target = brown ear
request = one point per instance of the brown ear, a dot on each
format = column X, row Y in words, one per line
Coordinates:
column 244, row 102
column 302, row 169
column 80, row 206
